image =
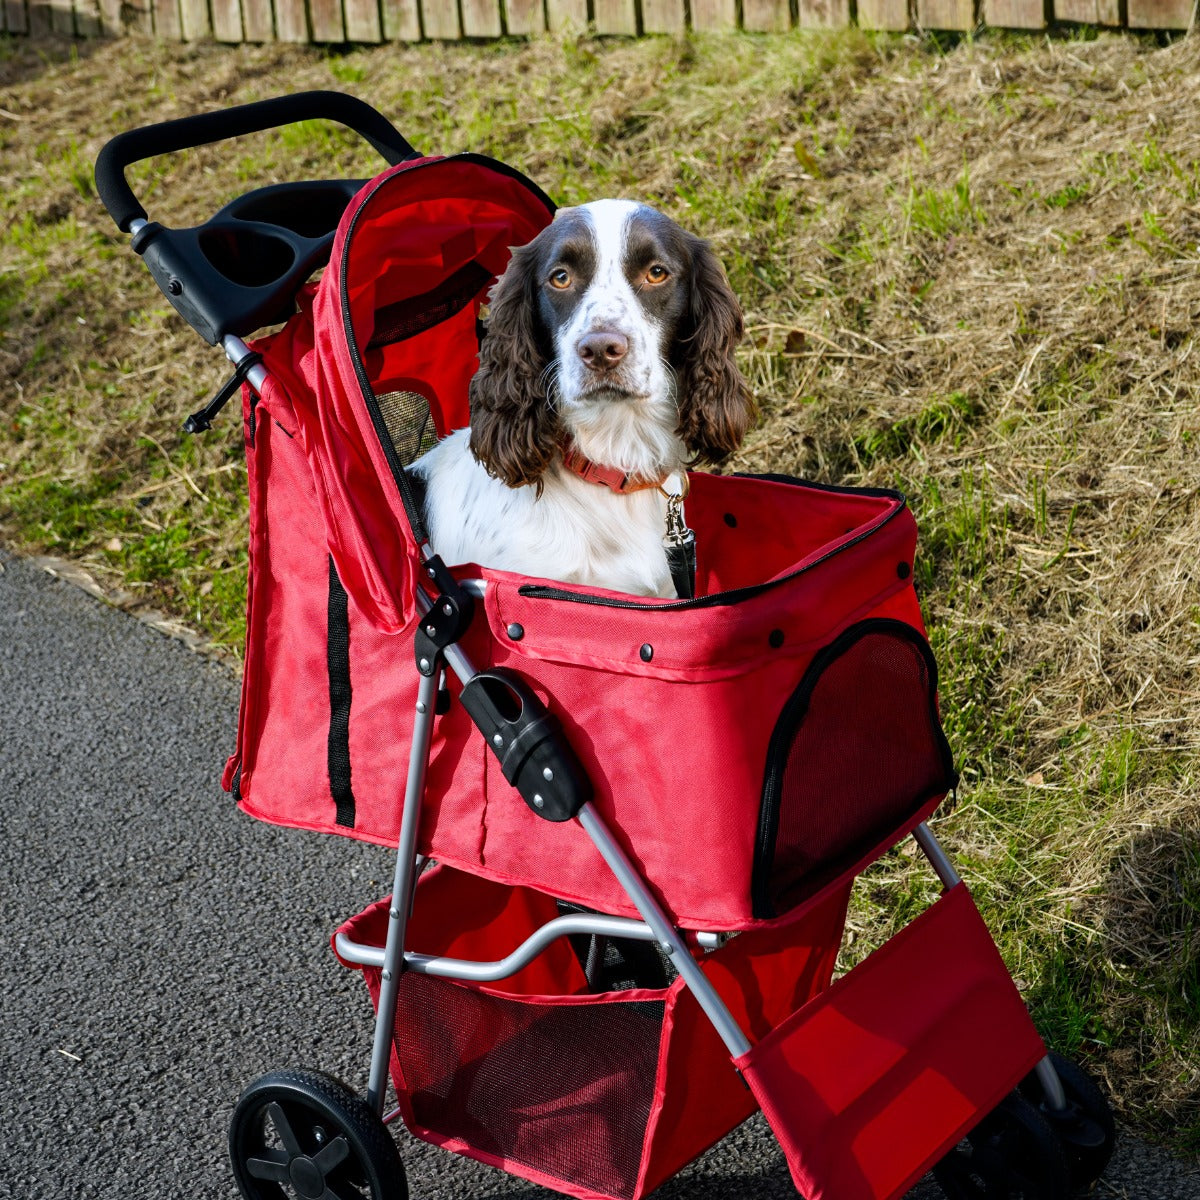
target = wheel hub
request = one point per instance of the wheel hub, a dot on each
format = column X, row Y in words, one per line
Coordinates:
column 307, row 1178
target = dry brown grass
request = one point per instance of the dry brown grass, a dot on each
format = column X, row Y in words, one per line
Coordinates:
column 971, row 272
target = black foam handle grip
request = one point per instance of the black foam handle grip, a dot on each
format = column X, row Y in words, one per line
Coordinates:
column 167, row 137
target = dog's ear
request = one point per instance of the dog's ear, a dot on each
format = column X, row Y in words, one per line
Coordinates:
column 716, row 405
column 512, row 423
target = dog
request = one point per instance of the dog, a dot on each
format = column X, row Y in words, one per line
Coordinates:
column 607, row 368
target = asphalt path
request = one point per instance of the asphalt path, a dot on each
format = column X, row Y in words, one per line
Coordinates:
column 160, row 950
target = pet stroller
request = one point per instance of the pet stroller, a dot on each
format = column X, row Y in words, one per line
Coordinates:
column 626, row 829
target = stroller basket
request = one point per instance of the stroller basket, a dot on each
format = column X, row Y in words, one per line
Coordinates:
column 595, row 1095
column 866, row 1083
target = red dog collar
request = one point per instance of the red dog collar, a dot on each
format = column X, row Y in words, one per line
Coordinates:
column 609, row 477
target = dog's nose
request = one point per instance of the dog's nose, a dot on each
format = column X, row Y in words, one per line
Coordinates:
column 602, row 349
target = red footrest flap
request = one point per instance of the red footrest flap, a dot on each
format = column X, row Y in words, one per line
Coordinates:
column 871, row 1082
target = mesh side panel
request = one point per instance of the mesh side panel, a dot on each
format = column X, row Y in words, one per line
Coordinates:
column 859, row 749
column 564, row 1089
column 406, row 415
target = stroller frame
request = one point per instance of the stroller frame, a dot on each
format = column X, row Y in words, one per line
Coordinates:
column 1078, row 1117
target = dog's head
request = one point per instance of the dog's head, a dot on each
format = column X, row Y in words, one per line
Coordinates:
column 617, row 329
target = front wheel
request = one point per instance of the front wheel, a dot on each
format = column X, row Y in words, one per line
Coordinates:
column 1086, row 1126
column 302, row 1135
column 1012, row 1154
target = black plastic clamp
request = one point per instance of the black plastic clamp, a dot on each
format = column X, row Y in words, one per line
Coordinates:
column 446, row 621
column 526, row 737
column 198, row 422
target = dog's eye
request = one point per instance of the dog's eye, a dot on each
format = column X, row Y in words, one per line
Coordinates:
column 560, row 279
column 657, row 274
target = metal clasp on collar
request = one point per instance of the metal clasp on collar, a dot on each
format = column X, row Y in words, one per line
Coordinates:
column 678, row 534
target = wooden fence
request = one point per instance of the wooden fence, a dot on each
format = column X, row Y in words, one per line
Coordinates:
column 340, row 21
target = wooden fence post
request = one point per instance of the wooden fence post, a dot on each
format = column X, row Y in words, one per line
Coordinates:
column 1014, row 14
column 401, row 21
column 946, row 14
column 16, row 18
column 227, row 21
column 440, row 19
column 824, row 14
column 194, row 19
column 1088, row 12
column 567, row 14
column 325, row 17
column 87, row 18
column 291, row 21
column 166, row 20
column 62, row 19
column 616, row 16
column 883, row 14
column 663, row 16
column 362, row 21
column 258, row 20
column 766, row 16
column 481, row 18
column 1161, row 14
column 714, row 14
column 524, row 17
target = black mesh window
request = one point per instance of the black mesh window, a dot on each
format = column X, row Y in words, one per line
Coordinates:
column 857, row 751
column 406, row 415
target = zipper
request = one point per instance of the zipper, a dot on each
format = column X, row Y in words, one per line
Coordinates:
column 415, row 516
column 793, row 716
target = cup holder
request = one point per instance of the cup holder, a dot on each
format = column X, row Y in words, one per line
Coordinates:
column 308, row 210
column 248, row 257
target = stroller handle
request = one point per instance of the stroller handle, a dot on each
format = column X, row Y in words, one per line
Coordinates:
column 167, row 137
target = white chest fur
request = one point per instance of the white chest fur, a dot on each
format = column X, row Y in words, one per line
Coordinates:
column 574, row 532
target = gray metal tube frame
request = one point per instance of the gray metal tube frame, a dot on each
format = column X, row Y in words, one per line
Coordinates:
column 593, row 924
column 236, row 350
column 669, row 939
column 402, row 885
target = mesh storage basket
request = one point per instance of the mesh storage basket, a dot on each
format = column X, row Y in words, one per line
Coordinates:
column 596, row 1095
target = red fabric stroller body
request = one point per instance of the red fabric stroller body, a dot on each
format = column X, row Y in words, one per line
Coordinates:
column 654, row 695
column 591, row 991
column 751, row 750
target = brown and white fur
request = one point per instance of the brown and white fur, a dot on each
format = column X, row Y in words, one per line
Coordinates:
column 613, row 329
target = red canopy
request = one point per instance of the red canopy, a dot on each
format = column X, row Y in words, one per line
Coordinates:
column 390, row 337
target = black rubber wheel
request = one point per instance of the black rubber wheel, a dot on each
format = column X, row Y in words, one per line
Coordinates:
column 1086, row 1129
column 301, row 1135
column 1012, row 1154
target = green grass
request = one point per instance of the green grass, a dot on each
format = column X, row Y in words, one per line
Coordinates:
column 940, row 212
